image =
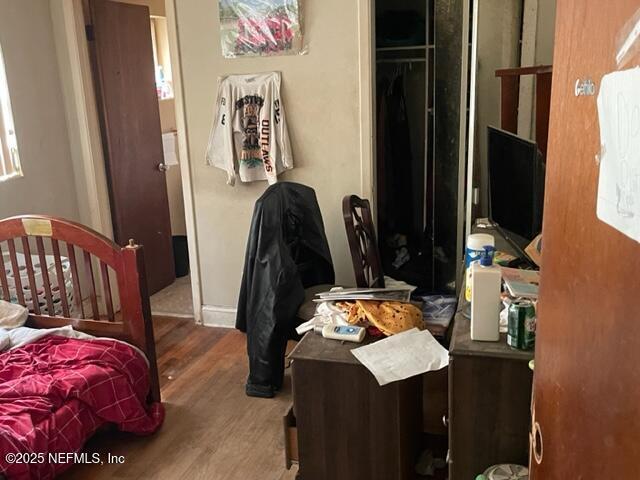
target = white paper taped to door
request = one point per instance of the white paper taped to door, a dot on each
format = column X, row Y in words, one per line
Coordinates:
column 619, row 183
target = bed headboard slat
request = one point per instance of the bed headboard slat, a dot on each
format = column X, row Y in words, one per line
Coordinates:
column 64, row 301
column 16, row 270
column 46, row 283
column 3, row 279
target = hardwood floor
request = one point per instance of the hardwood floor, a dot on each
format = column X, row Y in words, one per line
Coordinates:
column 212, row 429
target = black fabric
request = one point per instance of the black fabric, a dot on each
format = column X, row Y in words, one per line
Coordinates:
column 400, row 28
column 403, row 244
column 394, row 147
column 287, row 251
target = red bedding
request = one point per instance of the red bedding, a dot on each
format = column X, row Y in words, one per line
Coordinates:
column 55, row 392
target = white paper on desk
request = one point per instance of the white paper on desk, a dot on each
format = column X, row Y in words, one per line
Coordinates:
column 619, row 183
column 402, row 356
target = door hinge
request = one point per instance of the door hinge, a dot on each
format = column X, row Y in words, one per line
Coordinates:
column 89, row 31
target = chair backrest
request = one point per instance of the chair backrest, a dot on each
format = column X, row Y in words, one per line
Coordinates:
column 362, row 242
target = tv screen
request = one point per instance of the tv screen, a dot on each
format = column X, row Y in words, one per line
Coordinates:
column 516, row 183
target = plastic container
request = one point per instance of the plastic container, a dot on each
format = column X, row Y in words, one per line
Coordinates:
column 486, row 281
column 475, row 248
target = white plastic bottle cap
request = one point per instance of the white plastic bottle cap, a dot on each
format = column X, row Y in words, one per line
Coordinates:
column 477, row 241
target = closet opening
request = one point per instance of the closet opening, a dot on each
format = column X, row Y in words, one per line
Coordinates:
column 404, row 109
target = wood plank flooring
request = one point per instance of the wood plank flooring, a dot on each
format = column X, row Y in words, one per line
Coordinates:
column 212, row 429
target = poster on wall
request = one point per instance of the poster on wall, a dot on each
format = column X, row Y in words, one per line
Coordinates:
column 619, row 182
column 260, row 28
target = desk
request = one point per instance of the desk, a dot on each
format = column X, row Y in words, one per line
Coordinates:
column 489, row 399
column 348, row 426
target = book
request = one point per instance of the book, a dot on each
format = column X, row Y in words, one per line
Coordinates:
column 521, row 283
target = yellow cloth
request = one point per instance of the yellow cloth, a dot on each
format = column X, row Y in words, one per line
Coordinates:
column 388, row 317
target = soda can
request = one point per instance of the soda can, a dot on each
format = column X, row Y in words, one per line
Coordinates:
column 521, row 332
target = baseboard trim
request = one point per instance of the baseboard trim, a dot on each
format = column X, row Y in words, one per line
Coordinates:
column 216, row 316
column 171, row 314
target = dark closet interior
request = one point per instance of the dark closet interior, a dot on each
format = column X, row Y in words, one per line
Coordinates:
column 404, row 138
column 421, row 73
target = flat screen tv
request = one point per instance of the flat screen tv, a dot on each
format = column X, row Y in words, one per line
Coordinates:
column 516, row 183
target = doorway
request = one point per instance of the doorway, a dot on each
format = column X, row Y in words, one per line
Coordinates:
column 141, row 120
column 175, row 299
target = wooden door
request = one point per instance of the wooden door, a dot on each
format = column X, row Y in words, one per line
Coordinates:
column 119, row 37
column 587, row 378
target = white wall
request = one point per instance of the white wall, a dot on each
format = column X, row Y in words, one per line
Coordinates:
column 545, row 32
column 26, row 35
column 498, row 38
column 321, row 94
column 538, row 29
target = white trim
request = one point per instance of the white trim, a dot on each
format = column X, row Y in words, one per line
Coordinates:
column 216, row 316
column 472, row 118
column 366, row 72
column 170, row 314
column 526, row 93
column 462, row 145
column 81, row 115
column 185, row 163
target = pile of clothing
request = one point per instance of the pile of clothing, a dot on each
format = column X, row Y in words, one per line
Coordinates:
column 380, row 317
column 387, row 318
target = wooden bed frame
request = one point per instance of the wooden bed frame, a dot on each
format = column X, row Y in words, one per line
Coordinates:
column 87, row 253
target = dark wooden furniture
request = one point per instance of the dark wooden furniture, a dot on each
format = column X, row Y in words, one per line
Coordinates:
column 510, row 94
column 348, row 427
column 100, row 271
column 489, row 397
column 587, row 379
column 489, row 403
column 363, row 244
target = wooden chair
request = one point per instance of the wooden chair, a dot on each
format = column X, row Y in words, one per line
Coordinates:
column 510, row 94
column 51, row 286
column 363, row 244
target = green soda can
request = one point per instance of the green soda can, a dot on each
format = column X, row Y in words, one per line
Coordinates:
column 521, row 332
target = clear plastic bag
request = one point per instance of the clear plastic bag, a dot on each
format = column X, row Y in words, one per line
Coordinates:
column 260, row 28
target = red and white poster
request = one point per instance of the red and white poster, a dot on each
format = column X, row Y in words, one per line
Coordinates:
column 260, row 28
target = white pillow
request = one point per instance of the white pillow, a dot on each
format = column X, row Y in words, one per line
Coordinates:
column 12, row 315
column 5, row 340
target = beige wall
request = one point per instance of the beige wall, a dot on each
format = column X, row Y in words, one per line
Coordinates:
column 26, row 35
column 321, row 99
column 498, row 38
column 545, row 32
column 174, row 180
column 156, row 7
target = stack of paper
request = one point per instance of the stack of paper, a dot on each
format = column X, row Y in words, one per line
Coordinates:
column 401, row 356
column 396, row 294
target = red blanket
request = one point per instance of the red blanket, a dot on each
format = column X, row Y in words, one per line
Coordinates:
column 55, row 392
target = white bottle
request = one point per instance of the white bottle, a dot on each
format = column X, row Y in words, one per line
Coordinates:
column 485, row 299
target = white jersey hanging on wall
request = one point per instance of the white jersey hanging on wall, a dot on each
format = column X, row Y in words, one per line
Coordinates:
column 250, row 129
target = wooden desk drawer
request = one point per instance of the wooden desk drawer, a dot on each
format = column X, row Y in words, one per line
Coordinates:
column 290, row 438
